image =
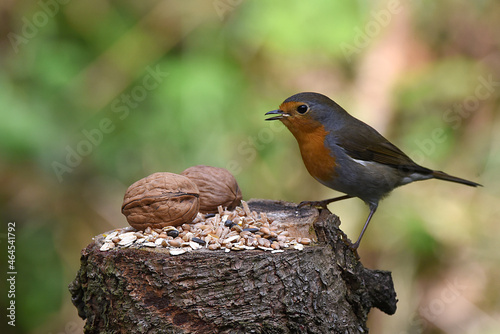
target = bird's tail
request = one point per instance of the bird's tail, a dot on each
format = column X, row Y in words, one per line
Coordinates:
column 447, row 177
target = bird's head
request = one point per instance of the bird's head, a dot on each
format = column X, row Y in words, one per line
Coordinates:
column 306, row 112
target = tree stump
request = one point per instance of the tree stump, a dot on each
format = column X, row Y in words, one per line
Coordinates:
column 320, row 289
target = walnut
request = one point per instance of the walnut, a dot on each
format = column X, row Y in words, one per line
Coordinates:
column 161, row 199
column 217, row 186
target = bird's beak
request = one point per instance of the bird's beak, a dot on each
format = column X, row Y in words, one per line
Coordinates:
column 281, row 114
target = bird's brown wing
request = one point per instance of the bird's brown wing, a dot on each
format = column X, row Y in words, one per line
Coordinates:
column 365, row 143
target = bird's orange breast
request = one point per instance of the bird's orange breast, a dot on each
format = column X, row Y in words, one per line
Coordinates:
column 317, row 157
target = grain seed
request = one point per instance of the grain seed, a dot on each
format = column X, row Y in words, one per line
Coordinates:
column 177, row 251
column 107, row 246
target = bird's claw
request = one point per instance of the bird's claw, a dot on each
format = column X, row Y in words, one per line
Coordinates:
column 352, row 246
column 323, row 205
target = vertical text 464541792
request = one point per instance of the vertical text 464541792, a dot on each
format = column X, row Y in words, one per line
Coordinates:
column 11, row 273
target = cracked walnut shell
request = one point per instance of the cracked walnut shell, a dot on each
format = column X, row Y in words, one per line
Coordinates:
column 159, row 200
column 217, row 186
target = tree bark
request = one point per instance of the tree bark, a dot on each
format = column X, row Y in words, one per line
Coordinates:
column 321, row 289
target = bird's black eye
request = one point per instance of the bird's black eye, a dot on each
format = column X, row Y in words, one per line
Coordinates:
column 302, row 109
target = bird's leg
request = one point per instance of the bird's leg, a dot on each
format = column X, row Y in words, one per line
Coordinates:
column 322, row 204
column 373, row 208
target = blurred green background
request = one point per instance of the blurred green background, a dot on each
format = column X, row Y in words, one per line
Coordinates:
column 95, row 95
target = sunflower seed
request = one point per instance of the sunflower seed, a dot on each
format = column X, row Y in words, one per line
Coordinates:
column 173, row 233
column 199, row 241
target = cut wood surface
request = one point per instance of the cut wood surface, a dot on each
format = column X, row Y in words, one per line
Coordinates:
column 320, row 289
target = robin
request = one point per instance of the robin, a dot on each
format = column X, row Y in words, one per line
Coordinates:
column 347, row 155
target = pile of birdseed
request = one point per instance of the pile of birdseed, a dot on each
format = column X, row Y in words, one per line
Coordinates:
column 239, row 229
